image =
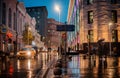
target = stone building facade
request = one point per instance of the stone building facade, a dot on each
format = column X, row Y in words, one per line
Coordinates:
column 98, row 19
column 13, row 17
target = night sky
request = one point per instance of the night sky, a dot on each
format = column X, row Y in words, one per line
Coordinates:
column 50, row 7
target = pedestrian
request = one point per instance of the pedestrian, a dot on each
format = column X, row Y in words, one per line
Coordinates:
column 100, row 49
column 115, row 51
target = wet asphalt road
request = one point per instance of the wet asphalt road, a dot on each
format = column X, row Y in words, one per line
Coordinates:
column 23, row 68
column 77, row 67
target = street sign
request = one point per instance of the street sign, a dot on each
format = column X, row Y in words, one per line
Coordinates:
column 65, row 27
column 3, row 29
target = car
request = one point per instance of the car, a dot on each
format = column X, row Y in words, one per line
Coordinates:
column 26, row 52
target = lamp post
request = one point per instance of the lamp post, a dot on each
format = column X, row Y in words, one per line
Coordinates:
column 57, row 8
column 110, row 24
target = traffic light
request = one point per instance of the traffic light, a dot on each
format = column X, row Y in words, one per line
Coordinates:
column 64, row 35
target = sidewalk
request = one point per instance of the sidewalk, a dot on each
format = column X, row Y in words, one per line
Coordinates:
column 70, row 64
column 80, row 67
column 46, row 67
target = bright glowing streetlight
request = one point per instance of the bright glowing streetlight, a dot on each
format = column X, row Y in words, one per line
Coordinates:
column 57, row 8
column 110, row 24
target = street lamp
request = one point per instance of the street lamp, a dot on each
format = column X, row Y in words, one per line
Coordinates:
column 57, row 8
column 110, row 24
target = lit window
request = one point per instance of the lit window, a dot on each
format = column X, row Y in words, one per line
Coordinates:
column 38, row 12
column 90, row 34
column 115, row 35
column 48, row 30
column 38, row 17
column 38, row 21
column 89, row 2
column 90, row 17
column 114, row 16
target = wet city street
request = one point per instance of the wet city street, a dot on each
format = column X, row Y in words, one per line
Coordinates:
column 24, row 68
column 79, row 66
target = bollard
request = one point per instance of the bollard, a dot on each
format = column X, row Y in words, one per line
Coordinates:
column 57, row 71
column 70, row 57
column 64, row 64
column 59, row 60
column 58, row 64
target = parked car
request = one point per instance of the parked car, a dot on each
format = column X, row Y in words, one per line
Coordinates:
column 26, row 52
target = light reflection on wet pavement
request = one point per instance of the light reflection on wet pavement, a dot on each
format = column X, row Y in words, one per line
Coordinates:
column 93, row 67
column 23, row 68
column 78, row 67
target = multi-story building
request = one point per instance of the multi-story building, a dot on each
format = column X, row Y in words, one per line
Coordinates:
column 98, row 19
column 7, row 24
column 13, row 17
column 53, row 36
column 20, row 23
column 73, row 18
column 40, row 13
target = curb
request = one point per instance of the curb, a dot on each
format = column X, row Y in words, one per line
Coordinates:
column 45, row 72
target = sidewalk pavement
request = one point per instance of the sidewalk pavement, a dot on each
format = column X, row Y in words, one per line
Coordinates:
column 46, row 68
column 93, row 67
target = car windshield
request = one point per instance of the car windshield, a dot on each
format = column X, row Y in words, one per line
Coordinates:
column 26, row 49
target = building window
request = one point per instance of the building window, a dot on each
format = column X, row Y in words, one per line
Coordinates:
column 113, row 1
column 38, row 21
column 4, row 13
column 89, row 2
column 90, row 17
column 14, row 27
column 38, row 17
column 48, row 31
column 90, row 35
column 29, row 10
column 10, row 18
column 115, row 35
column 38, row 13
column 114, row 16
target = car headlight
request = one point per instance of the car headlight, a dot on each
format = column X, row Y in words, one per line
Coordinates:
column 29, row 53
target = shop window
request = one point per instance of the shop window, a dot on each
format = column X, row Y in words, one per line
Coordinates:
column 90, row 17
